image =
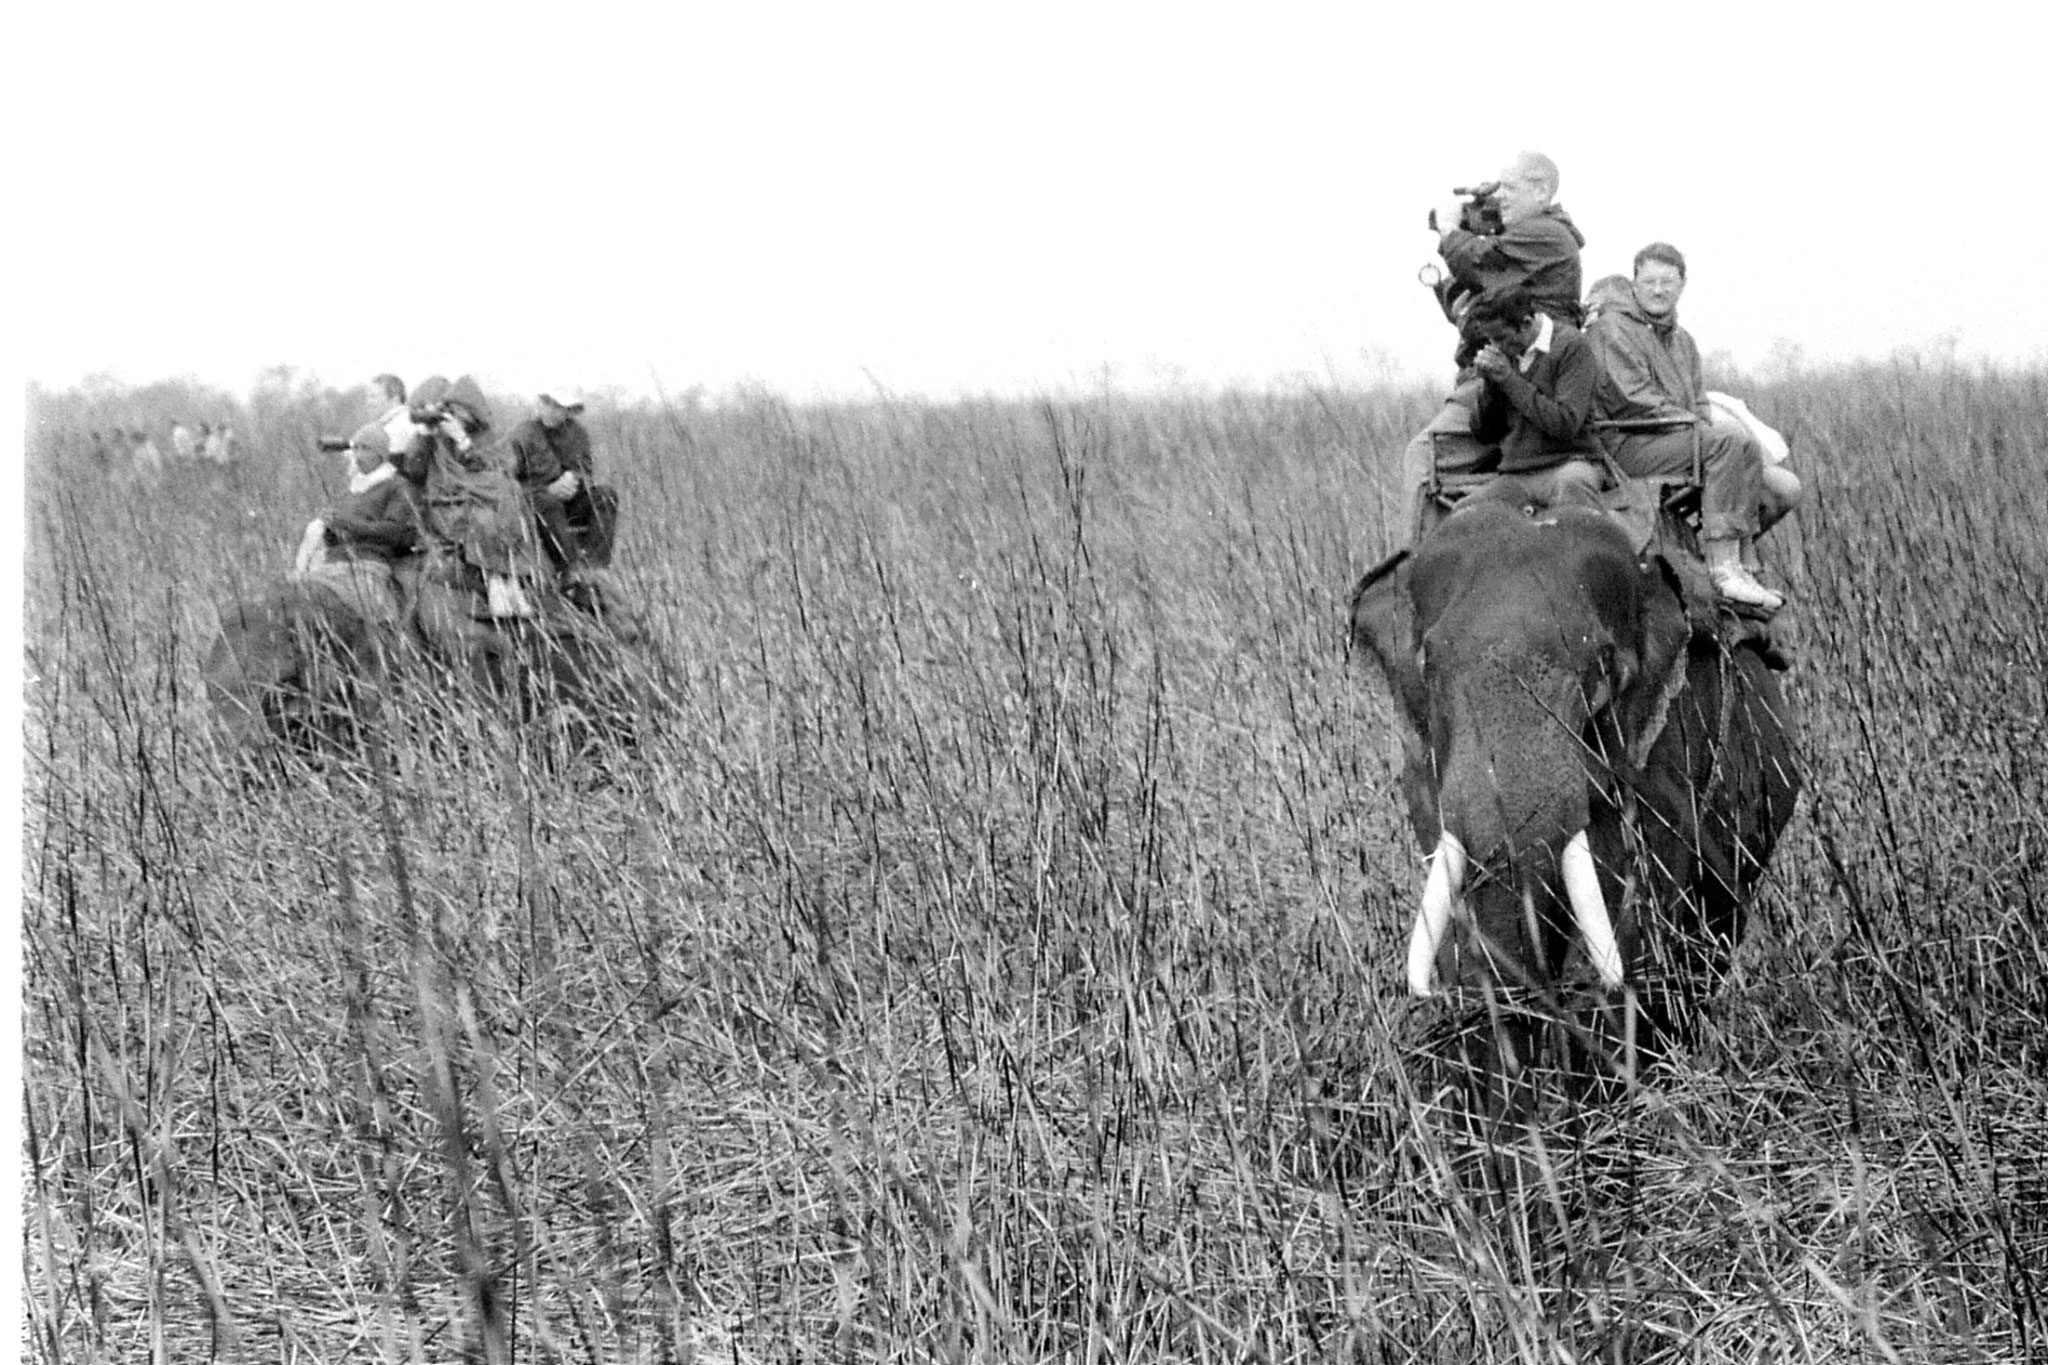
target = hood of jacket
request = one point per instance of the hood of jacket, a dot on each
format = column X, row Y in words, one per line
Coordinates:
column 1633, row 311
column 1557, row 211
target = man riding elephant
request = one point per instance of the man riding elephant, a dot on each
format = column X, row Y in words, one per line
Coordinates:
column 1535, row 402
column 551, row 459
column 476, row 513
column 1659, row 422
column 351, row 547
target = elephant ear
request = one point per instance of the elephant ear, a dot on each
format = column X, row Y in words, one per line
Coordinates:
column 1383, row 625
column 1678, row 604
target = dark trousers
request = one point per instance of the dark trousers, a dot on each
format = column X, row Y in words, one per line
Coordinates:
column 557, row 536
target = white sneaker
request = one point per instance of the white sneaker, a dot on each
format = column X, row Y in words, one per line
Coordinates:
column 505, row 598
column 1734, row 583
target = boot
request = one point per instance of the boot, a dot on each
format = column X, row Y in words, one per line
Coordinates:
column 1732, row 581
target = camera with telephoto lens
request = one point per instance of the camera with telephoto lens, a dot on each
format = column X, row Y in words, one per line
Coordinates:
column 332, row 445
column 427, row 414
column 1480, row 213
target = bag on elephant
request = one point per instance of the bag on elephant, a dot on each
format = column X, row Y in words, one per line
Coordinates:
column 1776, row 449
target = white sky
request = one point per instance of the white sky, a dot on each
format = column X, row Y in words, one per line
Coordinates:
column 987, row 197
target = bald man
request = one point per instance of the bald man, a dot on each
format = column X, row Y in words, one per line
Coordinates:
column 1537, row 248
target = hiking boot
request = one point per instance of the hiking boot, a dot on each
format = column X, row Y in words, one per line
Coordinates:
column 1734, row 584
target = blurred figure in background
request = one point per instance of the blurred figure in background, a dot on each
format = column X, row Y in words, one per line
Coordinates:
column 1608, row 291
column 145, row 461
column 184, row 446
column 219, row 446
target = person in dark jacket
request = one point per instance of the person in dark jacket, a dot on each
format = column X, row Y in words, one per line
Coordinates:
column 350, row 548
column 1536, row 383
column 476, row 513
column 551, row 460
column 1537, row 248
column 1653, row 402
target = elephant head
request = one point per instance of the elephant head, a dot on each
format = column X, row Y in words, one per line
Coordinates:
column 294, row 665
column 1597, row 778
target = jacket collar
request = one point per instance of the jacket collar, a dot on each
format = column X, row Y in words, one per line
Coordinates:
column 1544, row 335
column 1661, row 326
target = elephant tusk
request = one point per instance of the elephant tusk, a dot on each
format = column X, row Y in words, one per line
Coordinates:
column 1439, row 894
column 1589, row 910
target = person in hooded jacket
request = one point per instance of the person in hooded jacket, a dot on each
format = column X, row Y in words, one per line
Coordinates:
column 476, row 514
column 1537, row 249
column 1652, row 404
column 1537, row 246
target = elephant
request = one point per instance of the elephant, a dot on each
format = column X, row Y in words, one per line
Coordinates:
column 1597, row 760
column 298, row 665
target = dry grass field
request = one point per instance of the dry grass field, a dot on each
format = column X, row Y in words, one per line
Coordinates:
column 997, row 957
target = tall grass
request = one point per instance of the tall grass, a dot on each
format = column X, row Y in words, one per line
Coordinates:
column 997, row 957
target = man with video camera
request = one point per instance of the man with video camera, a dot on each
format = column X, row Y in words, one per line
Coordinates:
column 1510, row 233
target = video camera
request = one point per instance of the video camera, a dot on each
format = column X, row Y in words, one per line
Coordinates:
column 1480, row 213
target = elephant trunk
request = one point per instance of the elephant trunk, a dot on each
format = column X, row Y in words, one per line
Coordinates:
column 1514, row 817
